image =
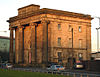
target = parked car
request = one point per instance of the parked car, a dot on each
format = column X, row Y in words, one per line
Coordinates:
column 56, row 67
column 6, row 65
column 78, row 65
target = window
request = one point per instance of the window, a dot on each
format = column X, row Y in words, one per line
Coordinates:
column 79, row 29
column 70, row 27
column 59, row 41
column 70, row 42
column 59, row 57
column 80, row 43
column 59, row 26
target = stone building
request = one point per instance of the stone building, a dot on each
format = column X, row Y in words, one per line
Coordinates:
column 48, row 35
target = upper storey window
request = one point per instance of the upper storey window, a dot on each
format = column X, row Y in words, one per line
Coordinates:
column 80, row 29
column 59, row 26
column 59, row 41
column 70, row 27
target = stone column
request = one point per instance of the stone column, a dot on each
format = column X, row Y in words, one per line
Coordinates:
column 11, row 56
column 45, row 41
column 16, row 45
column 21, row 44
column 33, row 42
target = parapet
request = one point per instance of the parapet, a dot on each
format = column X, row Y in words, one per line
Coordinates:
column 28, row 9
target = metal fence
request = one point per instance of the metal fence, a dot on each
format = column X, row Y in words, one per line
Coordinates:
column 65, row 73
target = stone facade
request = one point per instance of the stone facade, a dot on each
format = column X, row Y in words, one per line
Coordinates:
column 47, row 35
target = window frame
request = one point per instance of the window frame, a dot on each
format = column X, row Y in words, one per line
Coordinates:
column 69, row 28
column 59, row 54
column 80, row 28
column 59, row 41
column 59, row 26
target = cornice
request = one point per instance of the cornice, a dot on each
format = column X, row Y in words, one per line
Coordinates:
column 52, row 12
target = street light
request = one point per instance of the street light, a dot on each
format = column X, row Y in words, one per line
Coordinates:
column 97, row 33
column 98, row 38
column 98, row 18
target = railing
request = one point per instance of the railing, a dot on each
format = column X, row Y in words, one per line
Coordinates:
column 65, row 73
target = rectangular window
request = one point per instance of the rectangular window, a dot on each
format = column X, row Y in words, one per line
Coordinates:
column 59, row 41
column 79, row 29
column 70, row 27
column 80, row 43
column 70, row 42
column 59, row 26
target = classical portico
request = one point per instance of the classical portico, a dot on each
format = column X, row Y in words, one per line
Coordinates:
column 38, row 34
column 28, row 53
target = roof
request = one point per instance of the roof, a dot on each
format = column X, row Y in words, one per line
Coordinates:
column 50, row 11
column 4, row 37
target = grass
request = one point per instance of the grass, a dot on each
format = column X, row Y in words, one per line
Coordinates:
column 13, row 73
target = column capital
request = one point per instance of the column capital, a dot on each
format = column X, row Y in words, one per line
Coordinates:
column 10, row 25
column 33, row 24
column 11, row 28
column 21, row 27
column 45, row 21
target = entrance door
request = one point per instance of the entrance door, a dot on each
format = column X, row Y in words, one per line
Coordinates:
column 59, row 57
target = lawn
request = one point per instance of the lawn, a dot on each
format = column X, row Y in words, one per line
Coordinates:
column 13, row 73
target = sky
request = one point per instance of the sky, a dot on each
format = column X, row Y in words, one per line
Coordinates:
column 8, row 8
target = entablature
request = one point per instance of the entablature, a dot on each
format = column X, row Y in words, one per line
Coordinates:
column 48, row 11
column 52, row 18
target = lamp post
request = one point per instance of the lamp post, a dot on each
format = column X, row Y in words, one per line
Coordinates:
column 98, row 33
column 98, row 38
